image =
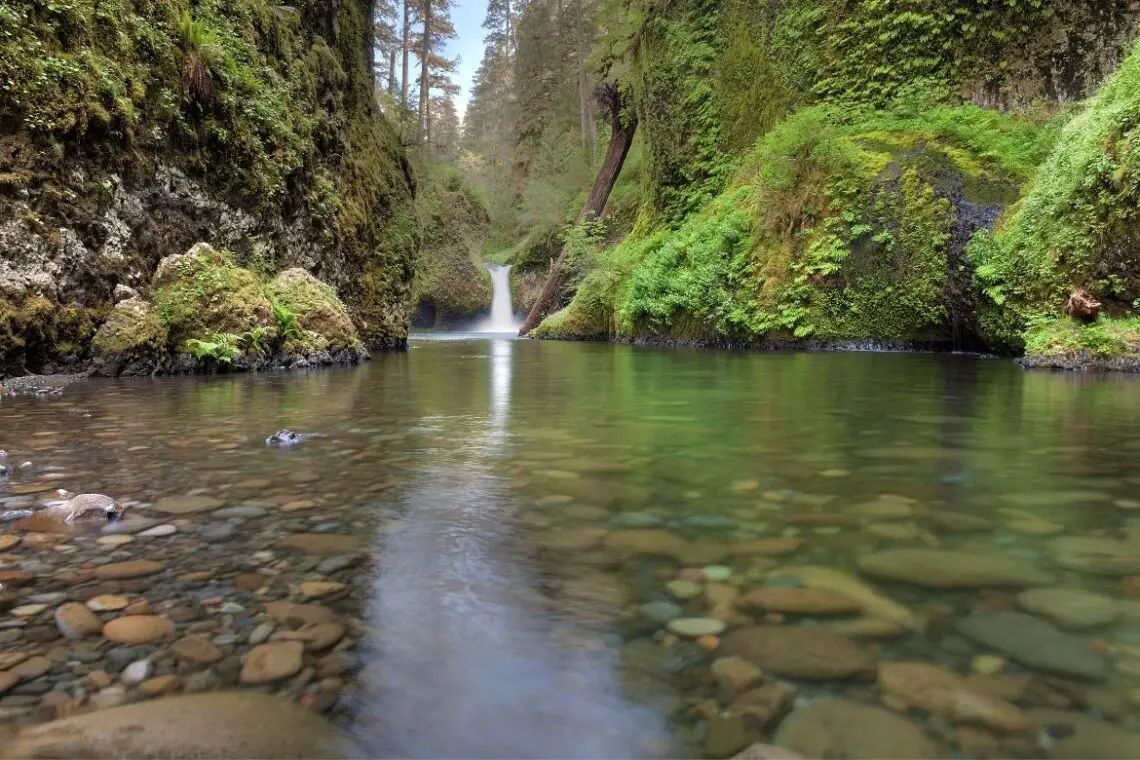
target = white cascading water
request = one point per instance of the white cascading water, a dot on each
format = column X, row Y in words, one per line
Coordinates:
column 502, row 319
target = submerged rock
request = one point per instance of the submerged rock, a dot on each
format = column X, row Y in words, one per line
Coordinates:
column 217, row 725
column 939, row 568
column 1034, row 643
column 833, row 727
column 1100, row 556
column 938, row 691
column 1079, row 736
column 1070, row 608
column 813, row 654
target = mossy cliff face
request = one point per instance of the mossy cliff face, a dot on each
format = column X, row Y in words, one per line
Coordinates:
column 856, row 172
column 134, row 129
column 452, row 285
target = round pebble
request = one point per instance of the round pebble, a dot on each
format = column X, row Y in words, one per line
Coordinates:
column 693, row 628
column 160, row 530
column 717, row 573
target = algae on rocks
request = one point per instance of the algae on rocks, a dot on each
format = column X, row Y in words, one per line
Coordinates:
column 211, row 314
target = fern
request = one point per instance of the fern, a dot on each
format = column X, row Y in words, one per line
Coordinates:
column 221, row 347
column 287, row 326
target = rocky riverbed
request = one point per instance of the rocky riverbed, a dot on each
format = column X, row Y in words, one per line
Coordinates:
column 639, row 595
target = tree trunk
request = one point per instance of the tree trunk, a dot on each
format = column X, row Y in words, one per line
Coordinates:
column 405, row 52
column 621, row 138
column 583, row 96
column 425, row 75
column 392, row 73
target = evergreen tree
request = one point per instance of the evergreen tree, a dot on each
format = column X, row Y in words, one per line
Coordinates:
column 435, row 68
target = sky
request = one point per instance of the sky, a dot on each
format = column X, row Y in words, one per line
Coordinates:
column 467, row 15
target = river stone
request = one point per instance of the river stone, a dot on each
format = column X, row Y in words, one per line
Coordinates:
column 318, row 589
column 159, row 531
column 115, row 539
column 832, row 727
column 1100, row 556
column 196, row 648
column 938, row 691
column 683, row 590
column 798, row 601
column 245, row 512
column 107, row 603
column 940, row 568
column 1086, row 738
column 814, row 654
column 133, row 569
column 187, row 504
column 875, row 605
column 884, row 509
column 660, row 612
column 306, row 613
column 322, row 544
column 218, row 533
column 694, row 628
column 137, row 672
column 75, row 621
column 7, row 541
column 223, row 725
column 1034, row 643
column 1070, row 608
column 269, row 662
column 649, row 541
column 137, row 629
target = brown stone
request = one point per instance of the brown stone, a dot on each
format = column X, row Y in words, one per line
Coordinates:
column 220, row 725
column 98, row 679
column 821, row 519
column 8, row 680
column 14, row 578
column 31, row 668
column 11, row 659
column 152, row 687
column 141, row 607
column 734, row 675
column 133, row 569
column 938, row 691
column 307, row 613
column 138, row 629
column 319, row 543
column 799, row 601
column 766, row 547
column 765, row 705
column 1131, row 586
column 107, row 603
column 645, row 541
column 321, row 636
column 809, row 653
column 703, row 553
column 7, row 541
column 198, row 576
column 250, row 581
column 318, row 589
column 269, row 662
column 832, row 727
column 75, row 621
column 196, row 648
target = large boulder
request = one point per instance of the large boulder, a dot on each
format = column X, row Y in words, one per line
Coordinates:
column 237, row 724
column 832, row 727
column 132, row 340
column 202, row 293
column 810, row 653
column 313, row 310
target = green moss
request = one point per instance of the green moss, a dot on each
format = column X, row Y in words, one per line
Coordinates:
column 1078, row 224
column 320, row 317
column 203, row 293
column 132, row 324
column 450, row 275
column 839, row 226
column 33, row 331
column 1066, row 338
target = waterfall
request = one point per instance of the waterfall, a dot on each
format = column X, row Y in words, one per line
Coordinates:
column 502, row 319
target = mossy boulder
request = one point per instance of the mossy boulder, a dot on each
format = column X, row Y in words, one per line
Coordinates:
column 321, row 321
column 203, row 293
column 133, row 324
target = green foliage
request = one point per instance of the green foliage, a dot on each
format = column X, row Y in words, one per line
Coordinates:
column 225, row 348
column 1062, row 337
column 287, row 326
column 839, row 226
column 1078, row 224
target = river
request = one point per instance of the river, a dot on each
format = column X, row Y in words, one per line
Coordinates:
column 510, row 526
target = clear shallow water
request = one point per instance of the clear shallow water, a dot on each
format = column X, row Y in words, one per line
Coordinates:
column 487, row 479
